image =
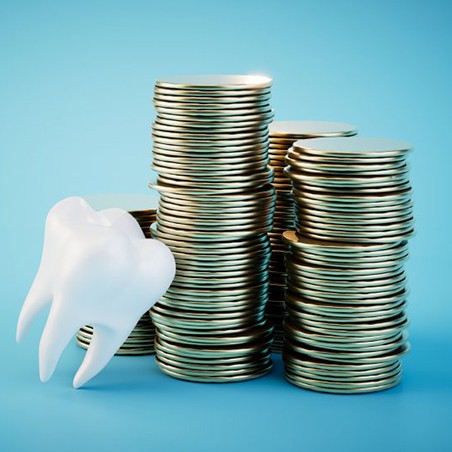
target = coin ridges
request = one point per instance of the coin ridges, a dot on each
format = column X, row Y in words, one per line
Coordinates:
column 346, row 292
column 210, row 150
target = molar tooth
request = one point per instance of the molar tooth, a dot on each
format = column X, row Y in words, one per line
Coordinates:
column 97, row 268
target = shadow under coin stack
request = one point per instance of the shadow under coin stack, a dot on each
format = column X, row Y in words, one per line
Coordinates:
column 141, row 339
column 282, row 136
column 346, row 295
column 215, row 210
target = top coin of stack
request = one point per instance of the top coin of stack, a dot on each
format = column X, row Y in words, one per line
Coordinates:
column 282, row 136
column 216, row 207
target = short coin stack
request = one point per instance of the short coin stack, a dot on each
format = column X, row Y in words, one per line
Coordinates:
column 282, row 136
column 141, row 339
column 145, row 219
column 346, row 294
column 215, row 210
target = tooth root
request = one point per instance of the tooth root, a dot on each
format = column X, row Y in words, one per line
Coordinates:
column 60, row 328
column 104, row 344
column 37, row 299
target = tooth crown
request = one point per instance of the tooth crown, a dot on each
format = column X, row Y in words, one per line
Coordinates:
column 96, row 268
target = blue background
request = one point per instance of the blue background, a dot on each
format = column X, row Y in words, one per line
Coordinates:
column 76, row 85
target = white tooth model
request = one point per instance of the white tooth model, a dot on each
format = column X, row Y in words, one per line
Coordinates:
column 96, row 268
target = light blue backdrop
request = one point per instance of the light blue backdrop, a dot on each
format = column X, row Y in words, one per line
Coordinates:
column 76, row 84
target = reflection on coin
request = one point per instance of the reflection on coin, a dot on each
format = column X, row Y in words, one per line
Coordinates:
column 215, row 82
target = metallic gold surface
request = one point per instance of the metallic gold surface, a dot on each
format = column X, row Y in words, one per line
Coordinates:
column 346, row 294
column 216, row 206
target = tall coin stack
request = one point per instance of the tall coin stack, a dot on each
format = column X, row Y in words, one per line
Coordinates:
column 141, row 339
column 282, row 136
column 346, row 295
column 215, row 210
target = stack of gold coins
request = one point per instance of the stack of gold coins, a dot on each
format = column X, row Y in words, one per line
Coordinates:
column 282, row 136
column 141, row 339
column 215, row 210
column 346, row 294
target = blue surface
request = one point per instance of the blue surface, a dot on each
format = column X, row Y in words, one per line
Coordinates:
column 75, row 107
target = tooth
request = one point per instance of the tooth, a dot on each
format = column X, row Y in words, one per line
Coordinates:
column 62, row 323
column 122, row 221
column 96, row 268
column 97, row 357
column 41, row 292
column 37, row 299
